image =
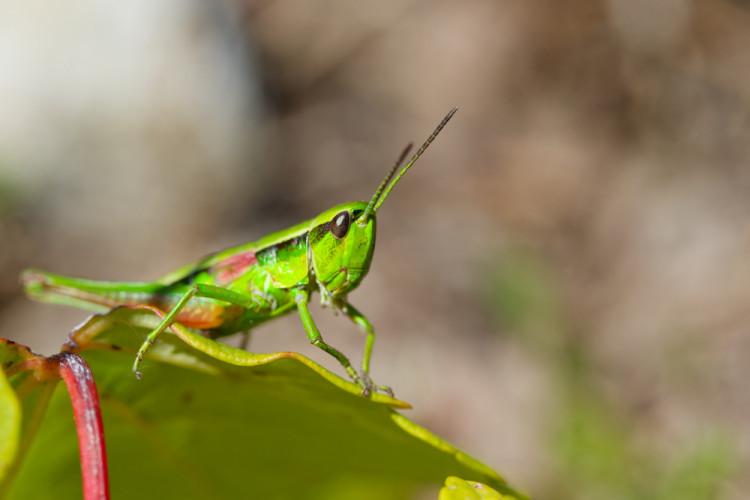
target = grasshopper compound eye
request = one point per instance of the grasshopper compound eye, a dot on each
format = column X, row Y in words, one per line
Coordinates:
column 340, row 224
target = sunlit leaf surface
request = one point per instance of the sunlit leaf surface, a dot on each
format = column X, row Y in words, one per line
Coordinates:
column 198, row 427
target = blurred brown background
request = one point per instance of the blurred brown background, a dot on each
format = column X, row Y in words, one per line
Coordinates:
column 560, row 286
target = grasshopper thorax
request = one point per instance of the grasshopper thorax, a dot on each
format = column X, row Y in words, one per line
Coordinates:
column 342, row 249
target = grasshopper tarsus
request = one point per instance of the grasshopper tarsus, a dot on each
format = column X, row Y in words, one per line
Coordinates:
column 385, row 389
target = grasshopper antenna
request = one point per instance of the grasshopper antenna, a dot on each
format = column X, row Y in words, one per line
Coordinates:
column 384, row 193
column 383, row 184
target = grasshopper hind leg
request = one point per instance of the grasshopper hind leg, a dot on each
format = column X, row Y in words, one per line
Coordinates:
column 166, row 323
column 245, row 340
column 198, row 290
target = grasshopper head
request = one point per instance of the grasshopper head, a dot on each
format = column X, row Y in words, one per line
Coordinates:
column 342, row 239
column 341, row 248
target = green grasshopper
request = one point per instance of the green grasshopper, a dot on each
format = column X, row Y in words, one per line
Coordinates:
column 238, row 288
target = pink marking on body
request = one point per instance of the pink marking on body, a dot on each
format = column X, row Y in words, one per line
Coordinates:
column 203, row 318
column 233, row 267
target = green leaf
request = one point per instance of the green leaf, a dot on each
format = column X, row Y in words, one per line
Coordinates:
column 24, row 415
column 10, row 425
column 199, row 427
column 459, row 489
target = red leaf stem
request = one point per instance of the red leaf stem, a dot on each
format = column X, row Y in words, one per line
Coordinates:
column 88, row 417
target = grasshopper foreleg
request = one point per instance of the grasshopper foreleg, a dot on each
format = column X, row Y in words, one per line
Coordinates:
column 301, row 297
column 364, row 324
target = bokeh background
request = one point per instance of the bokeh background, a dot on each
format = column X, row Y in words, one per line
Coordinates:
column 561, row 284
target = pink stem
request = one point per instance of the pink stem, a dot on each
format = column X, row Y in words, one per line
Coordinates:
column 88, row 416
